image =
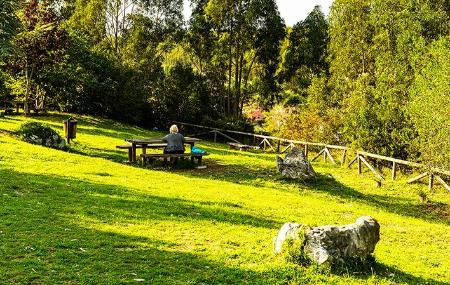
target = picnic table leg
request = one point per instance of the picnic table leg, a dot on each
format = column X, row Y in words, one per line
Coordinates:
column 133, row 155
column 130, row 155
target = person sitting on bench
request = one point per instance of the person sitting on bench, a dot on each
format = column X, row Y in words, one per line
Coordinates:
column 175, row 141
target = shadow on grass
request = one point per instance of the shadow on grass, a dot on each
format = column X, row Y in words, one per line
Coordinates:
column 397, row 205
column 113, row 155
column 248, row 175
column 43, row 241
column 89, row 126
column 259, row 176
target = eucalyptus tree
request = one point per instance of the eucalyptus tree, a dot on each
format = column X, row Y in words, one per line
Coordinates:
column 106, row 23
column 304, row 53
column 250, row 32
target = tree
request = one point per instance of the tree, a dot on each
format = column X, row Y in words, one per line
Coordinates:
column 248, row 30
column 374, row 50
column 305, row 54
column 308, row 42
column 9, row 25
column 430, row 105
column 41, row 44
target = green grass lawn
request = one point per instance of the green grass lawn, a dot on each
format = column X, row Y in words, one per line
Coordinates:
column 84, row 217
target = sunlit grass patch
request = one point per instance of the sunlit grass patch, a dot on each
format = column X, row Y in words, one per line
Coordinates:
column 85, row 217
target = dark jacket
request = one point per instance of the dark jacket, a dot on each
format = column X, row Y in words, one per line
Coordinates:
column 175, row 142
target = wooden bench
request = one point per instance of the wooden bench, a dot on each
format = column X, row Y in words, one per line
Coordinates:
column 130, row 150
column 193, row 156
column 241, row 147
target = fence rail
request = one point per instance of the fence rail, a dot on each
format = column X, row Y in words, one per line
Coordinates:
column 360, row 156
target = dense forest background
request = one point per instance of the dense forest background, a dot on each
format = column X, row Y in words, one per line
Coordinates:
column 374, row 74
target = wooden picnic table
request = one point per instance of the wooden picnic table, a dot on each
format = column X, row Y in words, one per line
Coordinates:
column 147, row 143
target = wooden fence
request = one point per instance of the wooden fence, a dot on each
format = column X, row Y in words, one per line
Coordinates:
column 281, row 145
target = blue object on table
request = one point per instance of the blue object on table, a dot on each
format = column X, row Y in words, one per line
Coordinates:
column 197, row 150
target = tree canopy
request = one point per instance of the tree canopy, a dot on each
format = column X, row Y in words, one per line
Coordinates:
column 372, row 74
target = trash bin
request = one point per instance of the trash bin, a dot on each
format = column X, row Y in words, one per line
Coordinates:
column 70, row 129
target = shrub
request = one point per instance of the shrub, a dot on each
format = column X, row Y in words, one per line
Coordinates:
column 37, row 133
column 294, row 250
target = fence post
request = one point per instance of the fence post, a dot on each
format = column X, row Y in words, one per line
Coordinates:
column 431, row 181
column 394, row 170
column 278, row 147
column 306, row 150
column 344, row 156
column 359, row 164
column 215, row 136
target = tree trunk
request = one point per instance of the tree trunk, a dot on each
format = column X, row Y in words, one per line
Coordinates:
column 230, row 67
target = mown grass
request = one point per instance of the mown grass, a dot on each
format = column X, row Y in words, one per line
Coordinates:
column 84, row 217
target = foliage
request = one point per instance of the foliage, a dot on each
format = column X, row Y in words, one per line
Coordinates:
column 9, row 25
column 40, row 45
column 38, row 133
column 294, row 250
column 249, row 32
column 375, row 50
column 430, row 105
column 305, row 53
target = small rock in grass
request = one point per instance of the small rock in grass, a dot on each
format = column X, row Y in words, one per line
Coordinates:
column 295, row 165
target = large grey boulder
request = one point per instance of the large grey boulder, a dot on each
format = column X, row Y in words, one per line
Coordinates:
column 295, row 165
column 333, row 244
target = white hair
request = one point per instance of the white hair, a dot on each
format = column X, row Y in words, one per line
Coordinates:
column 174, row 129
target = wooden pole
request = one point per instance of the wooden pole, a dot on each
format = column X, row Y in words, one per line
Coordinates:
column 133, row 149
column 278, row 147
column 325, row 154
column 359, row 164
column 394, row 170
column 417, row 178
column 318, row 155
column 306, row 150
column 228, row 137
column 431, row 181
column 201, row 134
column 215, row 136
column 327, row 151
column 269, row 144
column 344, row 156
column 286, row 148
column 361, row 158
column 443, row 183
column 353, row 161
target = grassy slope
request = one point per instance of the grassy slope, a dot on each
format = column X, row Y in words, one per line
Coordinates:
column 82, row 217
